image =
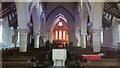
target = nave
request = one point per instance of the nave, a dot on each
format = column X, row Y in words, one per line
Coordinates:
column 42, row 58
column 82, row 34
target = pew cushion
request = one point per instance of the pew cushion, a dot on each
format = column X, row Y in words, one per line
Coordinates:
column 91, row 57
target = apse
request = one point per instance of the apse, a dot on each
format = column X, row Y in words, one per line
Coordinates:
column 59, row 30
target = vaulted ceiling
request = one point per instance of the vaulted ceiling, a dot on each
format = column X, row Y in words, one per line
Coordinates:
column 8, row 8
column 109, row 7
column 112, row 8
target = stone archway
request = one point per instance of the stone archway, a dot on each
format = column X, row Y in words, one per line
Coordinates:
column 59, row 32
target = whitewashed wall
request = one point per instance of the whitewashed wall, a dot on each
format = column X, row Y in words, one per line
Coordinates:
column 107, row 37
column 7, row 33
column 115, row 33
column 111, row 35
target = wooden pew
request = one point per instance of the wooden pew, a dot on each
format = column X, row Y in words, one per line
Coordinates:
column 102, row 60
column 16, row 56
column 100, row 64
column 16, row 59
column 103, row 63
column 18, row 64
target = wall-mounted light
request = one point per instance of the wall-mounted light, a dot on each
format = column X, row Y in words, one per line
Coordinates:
column 89, row 24
column 17, row 27
column 106, row 28
column 29, row 24
column 11, row 27
column 1, row 19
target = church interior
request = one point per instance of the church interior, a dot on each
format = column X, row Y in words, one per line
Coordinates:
column 41, row 34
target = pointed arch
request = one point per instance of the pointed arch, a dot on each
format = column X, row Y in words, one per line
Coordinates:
column 60, row 7
column 57, row 19
column 59, row 30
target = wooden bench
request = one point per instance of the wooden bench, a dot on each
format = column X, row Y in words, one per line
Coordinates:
column 104, row 60
column 18, row 64
column 16, row 56
column 103, row 63
column 16, row 59
column 100, row 64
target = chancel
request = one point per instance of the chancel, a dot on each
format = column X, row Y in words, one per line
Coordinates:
column 68, row 34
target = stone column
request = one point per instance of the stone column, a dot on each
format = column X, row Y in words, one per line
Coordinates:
column 36, row 40
column 79, row 41
column 96, row 11
column 28, row 39
column 23, row 20
column 83, row 40
column 119, row 32
column 23, row 40
column 84, row 19
column 16, row 37
column 83, row 34
column 115, row 32
column 96, row 40
column 119, row 23
column 78, row 37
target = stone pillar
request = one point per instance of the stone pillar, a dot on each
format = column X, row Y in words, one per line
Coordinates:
column 36, row 40
column 28, row 39
column 83, row 40
column 83, row 34
column 115, row 32
column 119, row 32
column 119, row 28
column 23, row 40
column 96, row 40
column 23, row 20
column 16, row 37
column 96, row 11
column 78, row 37
column 79, row 41
column 119, row 23
column 84, row 19
column 36, row 26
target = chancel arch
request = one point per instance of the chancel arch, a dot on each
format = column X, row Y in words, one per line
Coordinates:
column 59, row 30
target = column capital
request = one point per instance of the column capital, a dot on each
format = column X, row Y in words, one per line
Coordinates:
column 23, row 30
column 97, row 30
column 83, row 34
column 36, row 34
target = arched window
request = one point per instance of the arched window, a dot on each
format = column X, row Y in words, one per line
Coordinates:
column 56, row 35
column 60, row 32
column 60, row 35
column 64, row 35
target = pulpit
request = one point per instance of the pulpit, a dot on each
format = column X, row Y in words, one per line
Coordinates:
column 59, row 56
